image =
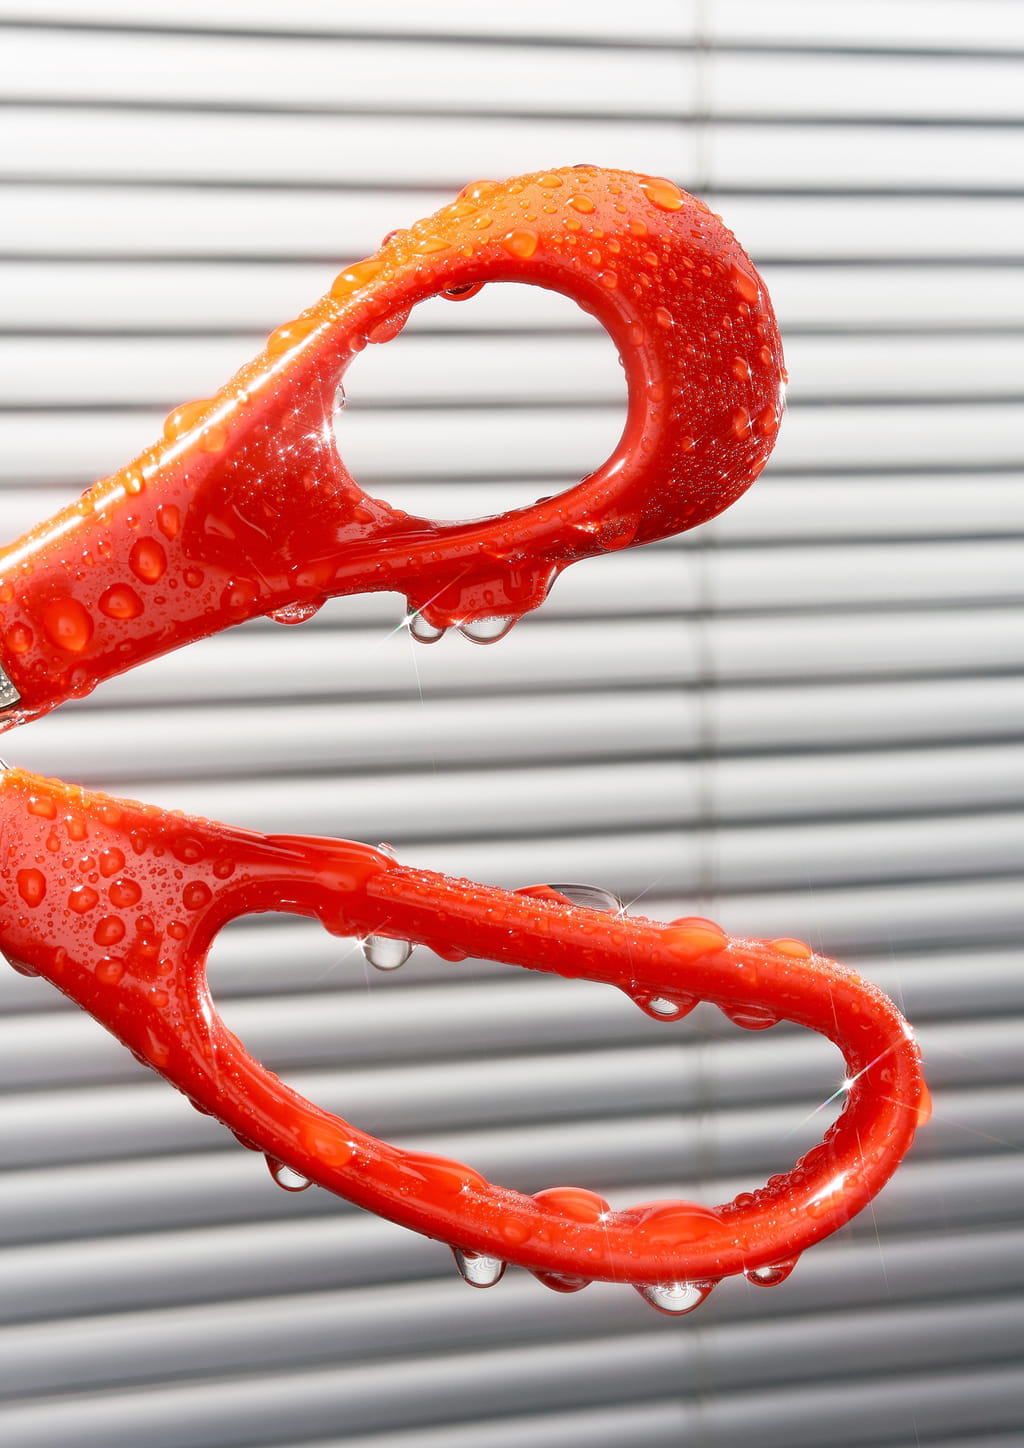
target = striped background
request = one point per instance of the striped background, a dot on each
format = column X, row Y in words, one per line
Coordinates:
column 805, row 719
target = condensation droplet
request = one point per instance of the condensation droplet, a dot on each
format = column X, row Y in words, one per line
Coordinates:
column 120, row 601
column 521, row 243
column 294, row 613
column 751, row 1018
column 67, row 624
column 676, row 1298
column 422, row 631
column 665, row 195
column 486, row 630
column 463, row 293
column 287, row 1177
column 592, row 897
column 477, row 1268
column 148, row 560
column 665, row 1009
column 772, row 1274
column 383, row 953
column 562, row 1281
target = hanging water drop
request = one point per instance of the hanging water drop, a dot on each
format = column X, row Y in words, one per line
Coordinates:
column 772, row 1274
column 477, row 1268
column 422, row 631
column 340, row 399
column 294, row 613
column 750, row 1017
column 562, row 1281
column 287, row 1177
column 463, row 293
column 676, row 1298
column 664, row 1009
column 384, row 953
column 486, row 630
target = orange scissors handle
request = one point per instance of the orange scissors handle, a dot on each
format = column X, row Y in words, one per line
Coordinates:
column 117, row 904
column 245, row 506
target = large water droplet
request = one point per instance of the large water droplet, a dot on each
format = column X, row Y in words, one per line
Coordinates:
column 294, row 613
column 772, row 1274
column 463, row 293
column 486, row 630
column 287, row 1177
column 591, row 897
column 662, row 1008
column 477, row 1268
column 422, row 631
column 562, row 1281
column 751, row 1018
column 676, row 1298
column 384, row 953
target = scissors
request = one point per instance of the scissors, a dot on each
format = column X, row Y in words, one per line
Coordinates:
column 243, row 508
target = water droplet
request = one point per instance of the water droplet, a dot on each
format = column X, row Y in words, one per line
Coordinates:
column 357, row 275
column 576, row 1203
column 562, row 1282
column 663, row 318
column 82, row 898
column 287, row 1177
column 581, row 203
column 31, row 886
column 294, row 613
column 592, row 897
column 696, row 936
column 125, row 892
column 390, row 327
column 383, row 953
column 18, row 638
column 148, row 560
column 520, row 243
column 665, row 195
column 168, row 520
column 109, row 971
column 751, row 1018
column 121, row 601
column 478, row 1269
column 549, row 180
column 741, row 369
column 21, row 966
column 487, row 630
column 67, row 624
column 463, row 293
column 422, row 631
column 924, row 1107
column 664, row 1009
column 111, row 861
column 771, row 1275
column 109, row 931
column 797, row 949
column 388, row 850
column 744, row 283
column 676, row 1298
column 195, row 895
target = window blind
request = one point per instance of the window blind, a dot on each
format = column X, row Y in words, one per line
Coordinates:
column 803, row 719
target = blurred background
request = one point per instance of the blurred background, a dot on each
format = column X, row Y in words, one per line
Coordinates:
column 805, row 719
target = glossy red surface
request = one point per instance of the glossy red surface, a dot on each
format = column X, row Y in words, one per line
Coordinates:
column 117, row 904
column 244, row 507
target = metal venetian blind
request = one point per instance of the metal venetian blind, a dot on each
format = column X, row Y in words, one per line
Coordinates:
column 804, row 719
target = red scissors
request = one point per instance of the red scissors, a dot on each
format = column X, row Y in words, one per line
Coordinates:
column 245, row 508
